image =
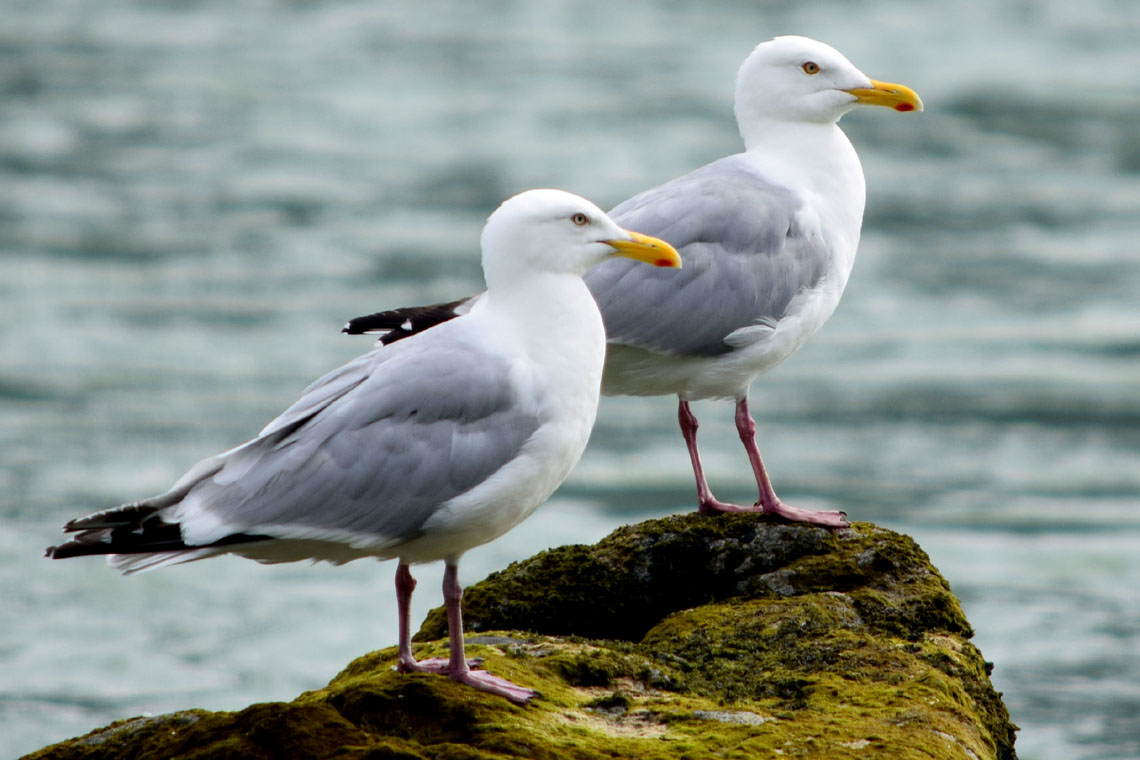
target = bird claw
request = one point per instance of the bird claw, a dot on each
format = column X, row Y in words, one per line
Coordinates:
column 476, row 679
column 714, row 507
column 492, row 684
column 824, row 518
column 438, row 665
column 821, row 518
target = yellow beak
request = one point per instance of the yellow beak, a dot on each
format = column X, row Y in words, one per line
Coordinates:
column 651, row 250
column 896, row 96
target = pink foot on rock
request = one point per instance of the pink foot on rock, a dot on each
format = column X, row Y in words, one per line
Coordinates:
column 768, row 503
column 822, row 518
column 484, row 681
column 434, row 665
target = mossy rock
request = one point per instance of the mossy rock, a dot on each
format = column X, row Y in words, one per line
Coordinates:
column 686, row 637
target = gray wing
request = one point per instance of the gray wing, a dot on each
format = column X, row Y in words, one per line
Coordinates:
column 376, row 446
column 745, row 258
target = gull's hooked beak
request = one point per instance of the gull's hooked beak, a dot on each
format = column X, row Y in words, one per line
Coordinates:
column 651, row 250
column 896, row 96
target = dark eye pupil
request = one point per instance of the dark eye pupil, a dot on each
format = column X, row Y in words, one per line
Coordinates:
column 579, row 219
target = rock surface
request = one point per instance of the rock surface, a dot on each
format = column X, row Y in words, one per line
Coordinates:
column 685, row 637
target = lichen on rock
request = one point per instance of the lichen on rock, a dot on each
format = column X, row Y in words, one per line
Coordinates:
column 689, row 636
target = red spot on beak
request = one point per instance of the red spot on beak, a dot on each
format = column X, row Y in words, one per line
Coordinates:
column 904, row 107
column 663, row 263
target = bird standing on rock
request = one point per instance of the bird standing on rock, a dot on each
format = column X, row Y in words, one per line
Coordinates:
column 417, row 451
column 768, row 238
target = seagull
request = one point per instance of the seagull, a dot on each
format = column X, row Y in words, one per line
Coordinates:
column 416, row 451
column 768, row 237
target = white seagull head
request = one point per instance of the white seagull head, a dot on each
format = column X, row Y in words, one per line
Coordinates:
column 559, row 232
column 797, row 79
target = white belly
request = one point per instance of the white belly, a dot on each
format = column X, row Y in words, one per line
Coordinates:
column 632, row 371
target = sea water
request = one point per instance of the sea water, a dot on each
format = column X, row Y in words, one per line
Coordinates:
column 195, row 196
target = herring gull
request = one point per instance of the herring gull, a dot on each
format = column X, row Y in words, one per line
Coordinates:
column 420, row 450
column 768, row 237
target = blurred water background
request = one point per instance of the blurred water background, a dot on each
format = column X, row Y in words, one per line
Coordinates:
column 195, row 195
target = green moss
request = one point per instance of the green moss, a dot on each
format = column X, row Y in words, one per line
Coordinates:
column 620, row 587
column 259, row 731
column 687, row 637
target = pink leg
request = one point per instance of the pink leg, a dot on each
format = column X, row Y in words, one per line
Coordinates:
column 458, row 668
column 707, row 504
column 768, row 502
column 405, row 660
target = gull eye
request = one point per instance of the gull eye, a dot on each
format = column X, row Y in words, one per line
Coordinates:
column 811, row 68
column 580, row 219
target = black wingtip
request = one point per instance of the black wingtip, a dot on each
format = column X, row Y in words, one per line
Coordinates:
column 79, row 548
column 381, row 321
column 70, row 549
column 397, row 324
column 94, row 543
